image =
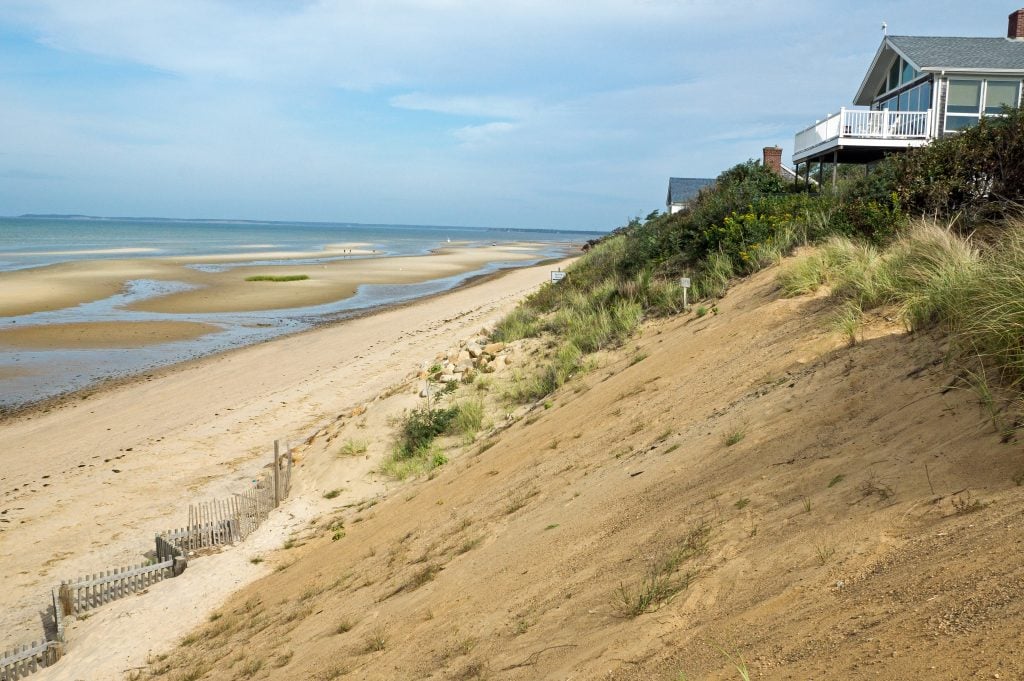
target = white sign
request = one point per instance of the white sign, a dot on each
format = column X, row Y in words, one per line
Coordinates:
column 685, row 282
column 557, row 276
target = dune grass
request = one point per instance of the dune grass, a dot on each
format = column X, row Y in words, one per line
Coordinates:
column 278, row 277
column 931, row 277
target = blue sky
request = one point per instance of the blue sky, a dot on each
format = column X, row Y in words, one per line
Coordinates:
column 528, row 113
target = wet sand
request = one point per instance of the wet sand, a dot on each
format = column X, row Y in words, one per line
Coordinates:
column 99, row 335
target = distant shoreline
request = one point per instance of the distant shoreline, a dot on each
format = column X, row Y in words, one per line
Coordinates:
column 252, row 221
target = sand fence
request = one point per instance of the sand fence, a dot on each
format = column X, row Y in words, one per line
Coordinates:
column 210, row 524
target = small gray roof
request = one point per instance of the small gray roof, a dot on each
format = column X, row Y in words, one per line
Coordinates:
column 685, row 189
column 929, row 53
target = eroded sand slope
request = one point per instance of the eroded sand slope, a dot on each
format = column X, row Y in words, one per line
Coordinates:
column 837, row 538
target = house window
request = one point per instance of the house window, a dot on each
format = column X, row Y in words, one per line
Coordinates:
column 907, row 74
column 968, row 100
column 1000, row 93
column 917, row 98
column 894, row 74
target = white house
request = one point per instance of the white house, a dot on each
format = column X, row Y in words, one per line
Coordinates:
column 917, row 89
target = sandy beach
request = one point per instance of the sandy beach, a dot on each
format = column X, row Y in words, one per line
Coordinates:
column 88, row 481
column 69, row 284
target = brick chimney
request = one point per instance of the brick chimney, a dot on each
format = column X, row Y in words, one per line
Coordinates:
column 1015, row 30
column 773, row 155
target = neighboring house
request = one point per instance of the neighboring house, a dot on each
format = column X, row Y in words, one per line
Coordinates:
column 918, row 89
column 683, row 190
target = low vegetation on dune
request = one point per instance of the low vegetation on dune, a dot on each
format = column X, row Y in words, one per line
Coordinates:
column 934, row 234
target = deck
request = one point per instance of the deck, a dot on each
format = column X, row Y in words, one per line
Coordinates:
column 859, row 135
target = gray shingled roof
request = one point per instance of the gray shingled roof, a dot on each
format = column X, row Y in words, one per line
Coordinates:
column 684, row 189
column 961, row 53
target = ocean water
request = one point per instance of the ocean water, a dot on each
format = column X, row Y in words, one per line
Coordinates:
column 36, row 241
column 30, row 242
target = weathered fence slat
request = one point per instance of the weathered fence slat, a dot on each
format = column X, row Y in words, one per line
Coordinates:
column 16, row 664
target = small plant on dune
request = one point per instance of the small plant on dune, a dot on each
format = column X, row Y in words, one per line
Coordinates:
column 332, row 494
column 824, row 552
column 250, row 668
column 377, row 639
column 353, row 447
column 734, row 436
column 741, row 503
column 344, row 626
column 978, row 380
column 848, row 320
column 836, row 480
column 663, row 578
column 519, row 497
column 737, row 661
column 965, row 503
column 701, row 311
column 873, row 486
column 278, row 278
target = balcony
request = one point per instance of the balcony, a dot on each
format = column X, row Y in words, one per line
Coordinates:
column 860, row 136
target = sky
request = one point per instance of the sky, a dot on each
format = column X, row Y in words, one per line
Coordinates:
column 565, row 114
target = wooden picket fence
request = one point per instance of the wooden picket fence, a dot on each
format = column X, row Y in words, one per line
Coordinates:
column 17, row 664
column 85, row 593
column 225, row 521
column 210, row 524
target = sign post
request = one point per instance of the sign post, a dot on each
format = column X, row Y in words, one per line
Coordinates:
column 685, row 283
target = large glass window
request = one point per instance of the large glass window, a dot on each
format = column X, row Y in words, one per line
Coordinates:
column 964, row 96
column 968, row 100
column 894, row 75
column 918, row 98
column 1000, row 93
column 907, row 74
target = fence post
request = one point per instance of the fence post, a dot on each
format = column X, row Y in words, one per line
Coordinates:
column 277, row 473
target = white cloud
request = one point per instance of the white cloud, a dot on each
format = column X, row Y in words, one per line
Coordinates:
column 479, row 135
column 483, row 106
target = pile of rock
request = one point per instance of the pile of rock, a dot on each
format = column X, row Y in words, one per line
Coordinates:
column 472, row 355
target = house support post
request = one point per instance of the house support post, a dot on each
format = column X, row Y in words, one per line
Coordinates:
column 835, row 167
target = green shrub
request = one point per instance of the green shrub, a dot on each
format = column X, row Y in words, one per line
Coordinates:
column 420, row 427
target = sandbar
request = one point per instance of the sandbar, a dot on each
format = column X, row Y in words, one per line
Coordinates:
column 69, row 284
column 328, row 282
column 100, row 335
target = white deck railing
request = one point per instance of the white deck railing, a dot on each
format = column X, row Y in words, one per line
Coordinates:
column 864, row 124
